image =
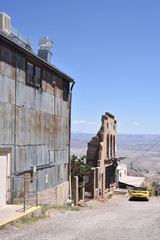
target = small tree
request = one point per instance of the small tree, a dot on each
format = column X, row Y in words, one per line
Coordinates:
column 79, row 168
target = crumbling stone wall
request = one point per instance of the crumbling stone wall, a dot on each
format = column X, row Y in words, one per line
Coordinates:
column 93, row 151
column 102, row 150
column 97, row 147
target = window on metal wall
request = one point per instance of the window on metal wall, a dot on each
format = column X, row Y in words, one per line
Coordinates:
column 30, row 70
column 33, row 75
column 37, row 76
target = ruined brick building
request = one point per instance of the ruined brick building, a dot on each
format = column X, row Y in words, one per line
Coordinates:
column 34, row 119
column 102, row 154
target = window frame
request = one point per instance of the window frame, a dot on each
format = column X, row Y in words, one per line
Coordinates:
column 33, row 82
column 28, row 73
column 36, row 76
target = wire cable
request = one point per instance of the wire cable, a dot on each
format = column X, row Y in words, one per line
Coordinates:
column 142, row 147
column 144, row 152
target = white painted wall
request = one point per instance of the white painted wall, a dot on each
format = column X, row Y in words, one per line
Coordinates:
column 121, row 171
column 3, row 179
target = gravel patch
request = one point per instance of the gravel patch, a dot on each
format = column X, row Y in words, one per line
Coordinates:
column 116, row 218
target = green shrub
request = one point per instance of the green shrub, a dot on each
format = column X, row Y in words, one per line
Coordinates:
column 79, row 168
column 110, row 195
column 149, row 187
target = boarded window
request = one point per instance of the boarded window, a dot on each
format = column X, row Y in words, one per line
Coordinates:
column 65, row 90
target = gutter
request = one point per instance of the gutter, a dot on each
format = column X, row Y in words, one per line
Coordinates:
column 69, row 145
column 34, row 56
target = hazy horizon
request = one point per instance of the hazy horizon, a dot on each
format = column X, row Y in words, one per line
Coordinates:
column 142, row 149
column 78, row 132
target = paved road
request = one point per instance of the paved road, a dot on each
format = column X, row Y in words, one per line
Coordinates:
column 116, row 219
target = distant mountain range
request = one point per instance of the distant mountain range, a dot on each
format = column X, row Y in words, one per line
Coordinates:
column 137, row 138
column 141, row 149
column 80, row 140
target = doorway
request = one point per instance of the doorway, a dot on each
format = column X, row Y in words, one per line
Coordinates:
column 4, row 180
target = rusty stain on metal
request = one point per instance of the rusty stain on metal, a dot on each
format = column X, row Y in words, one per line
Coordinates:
column 41, row 119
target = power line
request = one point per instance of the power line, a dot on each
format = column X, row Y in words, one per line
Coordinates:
column 144, row 152
column 142, row 147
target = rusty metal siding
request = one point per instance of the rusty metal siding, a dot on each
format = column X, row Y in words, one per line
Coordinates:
column 6, row 90
column 39, row 155
column 65, row 109
column 41, row 175
column 2, row 124
column 21, row 95
column 7, row 125
column 7, row 68
column 21, row 68
column 41, row 120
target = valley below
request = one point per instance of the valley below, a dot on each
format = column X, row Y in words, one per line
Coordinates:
column 141, row 152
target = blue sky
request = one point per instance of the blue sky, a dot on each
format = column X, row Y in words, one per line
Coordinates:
column 112, row 50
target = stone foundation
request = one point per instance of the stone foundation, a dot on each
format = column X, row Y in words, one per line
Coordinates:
column 54, row 196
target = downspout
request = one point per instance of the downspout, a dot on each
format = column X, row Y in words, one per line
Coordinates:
column 15, row 118
column 69, row 158
column 15, row 121
column 55, row 90
column 15, row 115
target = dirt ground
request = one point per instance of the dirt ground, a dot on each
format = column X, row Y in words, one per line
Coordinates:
column 116, row 218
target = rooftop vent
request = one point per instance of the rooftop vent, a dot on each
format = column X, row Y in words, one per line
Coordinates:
column 5, row 23
column 45, row 45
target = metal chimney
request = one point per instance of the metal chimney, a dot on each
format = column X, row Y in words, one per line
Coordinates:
column 45, row 45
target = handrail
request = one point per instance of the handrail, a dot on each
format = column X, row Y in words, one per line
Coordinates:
column 27, row 194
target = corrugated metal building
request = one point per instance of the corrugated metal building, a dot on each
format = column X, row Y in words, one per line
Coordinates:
column 34, row 124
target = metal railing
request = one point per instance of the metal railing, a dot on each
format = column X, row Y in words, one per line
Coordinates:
column 25, row 193
column 20, row 38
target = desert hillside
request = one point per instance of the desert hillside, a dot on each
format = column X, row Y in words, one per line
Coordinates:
column 142, row 150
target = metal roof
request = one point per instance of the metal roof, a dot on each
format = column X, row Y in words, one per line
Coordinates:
column 132, row 181
column 19, row 47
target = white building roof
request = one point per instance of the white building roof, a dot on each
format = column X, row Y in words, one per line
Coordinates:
column 132, row 181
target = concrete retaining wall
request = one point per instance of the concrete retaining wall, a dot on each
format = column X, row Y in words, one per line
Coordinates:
column 54, row 196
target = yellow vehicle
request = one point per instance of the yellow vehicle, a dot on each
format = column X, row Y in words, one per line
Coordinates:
column 139, row 193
